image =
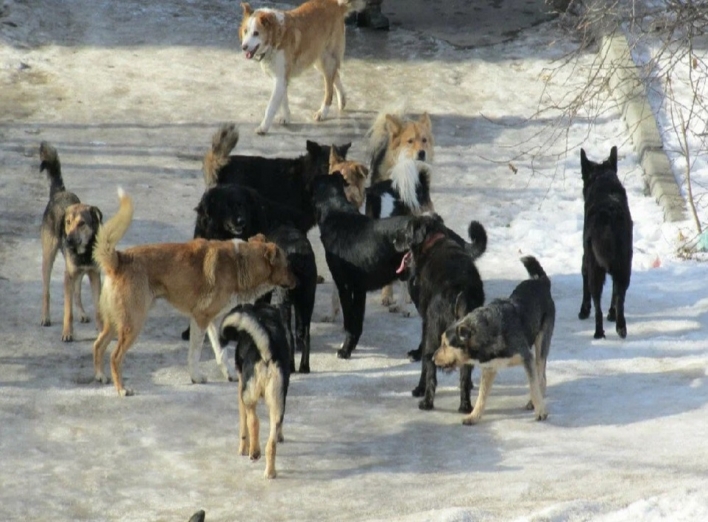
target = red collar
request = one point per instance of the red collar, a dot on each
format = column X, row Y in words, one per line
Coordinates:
column 430, row 241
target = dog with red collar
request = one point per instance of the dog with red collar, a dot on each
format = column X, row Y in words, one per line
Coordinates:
column 445, row 286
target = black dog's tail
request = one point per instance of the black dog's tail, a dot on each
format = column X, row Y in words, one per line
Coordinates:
column 478, row 237
column 534, row 268
column 50, row 162
column 199, row 516
column 222, row 143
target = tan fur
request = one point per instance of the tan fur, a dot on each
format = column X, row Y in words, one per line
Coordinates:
column 401, row 135
column 222, row 143
column 354, row 173
column 312, row 34
column 266, row 383
column 78, row 223
column 198, row 278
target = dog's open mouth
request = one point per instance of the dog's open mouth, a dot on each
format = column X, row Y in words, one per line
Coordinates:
column 250, row 54
column 405, row 262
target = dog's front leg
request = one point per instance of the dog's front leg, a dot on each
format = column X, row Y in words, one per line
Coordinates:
column 219, row 353
column 67, row 334
column 95, row 280
column 488, row 375
column 83, row 317
column 285, row 110
column 196, row 341
column 280, row 90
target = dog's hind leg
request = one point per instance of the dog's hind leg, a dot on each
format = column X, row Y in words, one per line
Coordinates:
column 196, row 341
column 387, row 296
column 531, row 369
column 429, row 378
column 465, row 388
column 126, row 337
column 339, row 89
column 99, row 349
column 596, row 280
column 70, row 282
column 302, row 337
column 276, row 410
column 353, row 309
column 243, row 445
column 622, row 284
column 254, row 450
column 50, row 248
column 488, row 375
column 328, row 67
column 220, row 353
column 585, row 304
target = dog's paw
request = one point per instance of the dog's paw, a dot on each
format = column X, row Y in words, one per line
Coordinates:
column 255, row 454
column 612, row 315
column 344, row 354
column 542, row 415
column 388, row 301
column 67, row 337
column 599, row 334
column 270, row 474
column 126, row 392
column 465, row 407
column 101, row 377
column 199, row 379
column 261, row 130
column 529, row 405
column 425, row 405
column 321, row 115
column 284, row 120
column 417, row 391
column 414, row 355
column 584, row 313
column 304, row 368
column 45, row 322
column 470, row 420
column 243, row 448
column 84, row 319
column 622, row 332
column 329, row 318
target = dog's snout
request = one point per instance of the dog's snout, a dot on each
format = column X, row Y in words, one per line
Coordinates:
column 421, row 155
column 244, row 47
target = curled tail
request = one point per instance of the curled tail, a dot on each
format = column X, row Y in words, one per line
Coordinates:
column 478, row 237
column 223, row 142
column 534, row 268
column 50, row 162
column 104, row 252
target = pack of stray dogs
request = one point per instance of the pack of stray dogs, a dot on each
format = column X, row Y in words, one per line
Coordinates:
column 250, row 266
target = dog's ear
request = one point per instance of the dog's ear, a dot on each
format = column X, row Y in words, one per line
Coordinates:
column 334, row 158
column 258, row 238
column 313, row 148
column 463, row 333
column 96, row 214
column 394, row 125
column 425, row 121
column 271, row 253
column 342, row 150
column 613, row 158
column 460, row 306
column 247, row 9
column 361, row 171
column 415, row 233
column 583, row 159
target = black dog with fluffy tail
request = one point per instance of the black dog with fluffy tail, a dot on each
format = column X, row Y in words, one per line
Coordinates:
column 607, row 241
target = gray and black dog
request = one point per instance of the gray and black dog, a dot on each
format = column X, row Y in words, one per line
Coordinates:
column 70, row 226
column 506, row 332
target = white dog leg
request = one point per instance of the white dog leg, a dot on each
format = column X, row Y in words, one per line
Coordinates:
column 220, row 354
column 196, row 341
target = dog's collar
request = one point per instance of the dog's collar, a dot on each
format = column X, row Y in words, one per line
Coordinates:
column 430, row 241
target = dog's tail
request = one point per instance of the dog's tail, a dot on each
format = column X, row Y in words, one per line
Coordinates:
column 352, row 5
column 478, row 237
column 534, row 268
column 50, row 162
column 104, row 252
column 223, row 142
column 238, row 320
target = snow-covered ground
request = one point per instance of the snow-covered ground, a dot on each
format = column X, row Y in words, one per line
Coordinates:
column 130, row 94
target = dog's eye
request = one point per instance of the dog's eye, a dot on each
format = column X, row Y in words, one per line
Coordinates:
column 425, row 140
column 255, row 33
column 410, row 141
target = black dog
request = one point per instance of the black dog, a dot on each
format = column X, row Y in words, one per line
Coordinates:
column 233, row 211
column 285, row 181
column 445, row 286
column 359, row 252
column 263, row 366
column 607, row 241
column 506, row 332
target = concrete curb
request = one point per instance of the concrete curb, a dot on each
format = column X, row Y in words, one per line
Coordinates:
column 629, row 92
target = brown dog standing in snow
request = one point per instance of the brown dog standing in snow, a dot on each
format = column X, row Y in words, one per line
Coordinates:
column 288, row 42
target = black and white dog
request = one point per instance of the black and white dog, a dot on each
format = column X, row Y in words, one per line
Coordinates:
column 506, row 332
column 263, row 366
column 285, row 181
column 359, row 252
column 444, row 284
column 607, row 241
column 233, row 211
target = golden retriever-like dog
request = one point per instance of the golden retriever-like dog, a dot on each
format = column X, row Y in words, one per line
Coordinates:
column 288, row 42
column 394, row 136
column 199, row 278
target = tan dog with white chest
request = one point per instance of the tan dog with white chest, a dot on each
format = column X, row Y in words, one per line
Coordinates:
column 199, row 278
column 288, row 42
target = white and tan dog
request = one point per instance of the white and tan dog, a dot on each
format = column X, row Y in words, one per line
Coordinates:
column 288, row 42
column 199, row 278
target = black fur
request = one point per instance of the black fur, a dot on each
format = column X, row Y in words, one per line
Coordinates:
column 199, row 516
column 445, row 286
column 607, row 241
column 359, row 252
column 234, row 211
column 285, row 181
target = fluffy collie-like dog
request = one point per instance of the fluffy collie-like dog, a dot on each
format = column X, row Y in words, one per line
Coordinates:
column 263, row 366
column 199, row 278
column 288, row 42
column 394, row 136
